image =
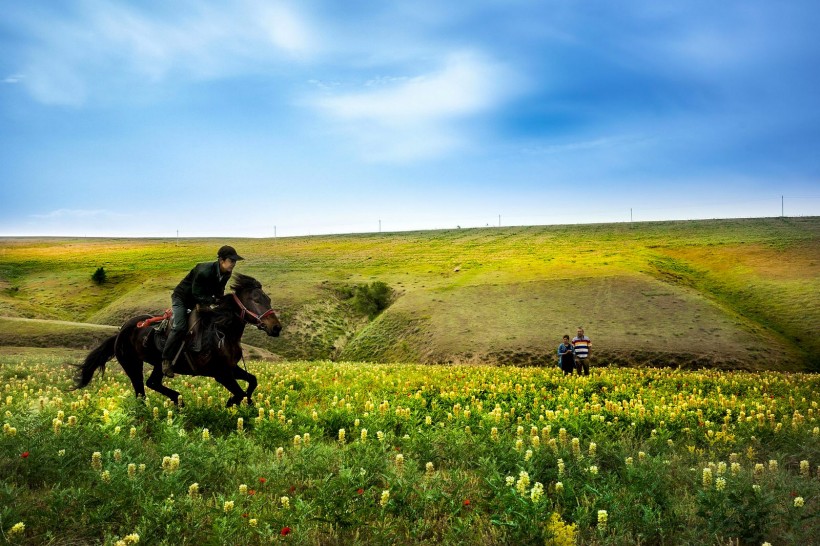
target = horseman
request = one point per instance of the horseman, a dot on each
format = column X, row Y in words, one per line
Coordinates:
column 203, row 285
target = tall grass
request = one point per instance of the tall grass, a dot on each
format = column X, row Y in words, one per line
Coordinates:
column 341, row 453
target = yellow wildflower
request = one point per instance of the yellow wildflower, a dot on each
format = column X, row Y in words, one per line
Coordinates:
column 523, row 482
column 537, row 492
column 707, row 477
column 602, row 519
column 561, row 534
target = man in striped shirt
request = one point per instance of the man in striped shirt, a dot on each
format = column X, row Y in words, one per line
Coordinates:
column 582, row 344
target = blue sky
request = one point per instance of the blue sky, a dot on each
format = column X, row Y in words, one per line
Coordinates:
column 251, row 117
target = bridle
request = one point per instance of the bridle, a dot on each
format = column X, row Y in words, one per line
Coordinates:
column 256, row 319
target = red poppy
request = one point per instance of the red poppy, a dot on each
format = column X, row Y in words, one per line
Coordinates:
column 24, row 454
column 292, row 488
column 245, row 515
column 251, row 491
column 262, row 480
column 466, row 502
column 360, row 491
column 285, row 531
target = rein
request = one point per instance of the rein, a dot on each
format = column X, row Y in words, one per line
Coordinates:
column 257, row 319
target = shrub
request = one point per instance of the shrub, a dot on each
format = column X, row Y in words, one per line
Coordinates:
column 368, row 299
column 99, row 275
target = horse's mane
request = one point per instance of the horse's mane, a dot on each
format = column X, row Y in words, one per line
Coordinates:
column 224, row 315
column 244, row 282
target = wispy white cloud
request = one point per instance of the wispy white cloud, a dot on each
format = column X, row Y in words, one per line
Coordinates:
column 14, row 78
column 403, row 118
column 67, row 214
column 72, row 55
column 602, row 143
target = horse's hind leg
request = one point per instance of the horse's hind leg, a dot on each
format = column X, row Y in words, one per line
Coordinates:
column 133, row 369
column 244, row 375
column 229, row 382
column 155, row 382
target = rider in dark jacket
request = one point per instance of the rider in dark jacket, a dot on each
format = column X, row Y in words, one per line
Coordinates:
column 203, row 285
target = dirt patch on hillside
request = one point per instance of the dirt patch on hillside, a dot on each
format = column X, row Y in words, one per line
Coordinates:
column 633, row 359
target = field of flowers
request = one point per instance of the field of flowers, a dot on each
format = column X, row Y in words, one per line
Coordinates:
column 405, row 454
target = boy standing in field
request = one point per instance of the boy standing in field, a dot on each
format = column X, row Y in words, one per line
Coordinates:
column 582, row 344
column 566, row 356
column 202, row 286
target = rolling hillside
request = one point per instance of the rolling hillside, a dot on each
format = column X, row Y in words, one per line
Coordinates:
column 728, row 293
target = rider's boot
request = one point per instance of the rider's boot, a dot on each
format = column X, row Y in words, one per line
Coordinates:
column 169, row 353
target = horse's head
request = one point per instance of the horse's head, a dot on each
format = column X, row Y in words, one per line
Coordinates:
column 254, row 305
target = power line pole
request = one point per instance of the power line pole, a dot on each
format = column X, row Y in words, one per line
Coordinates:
column 630, row 215
column 380, row 225
column 274, row 232
column 499, row 220
column 781, row 207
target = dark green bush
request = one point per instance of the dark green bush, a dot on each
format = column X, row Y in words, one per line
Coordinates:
column 99, row 275
column 368, row 299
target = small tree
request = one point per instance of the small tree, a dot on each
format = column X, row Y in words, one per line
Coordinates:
column 99, row 275
column 368, row 299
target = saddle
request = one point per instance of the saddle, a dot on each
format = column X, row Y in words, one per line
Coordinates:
column 197, row 336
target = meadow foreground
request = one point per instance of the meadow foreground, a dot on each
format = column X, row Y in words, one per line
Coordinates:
column 341, row 453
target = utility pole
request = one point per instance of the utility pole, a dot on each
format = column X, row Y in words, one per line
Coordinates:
column 380, row 225
column 274, row 232
column 630, row 215
column 499, row 220
column 177, row 237
column 781, row 207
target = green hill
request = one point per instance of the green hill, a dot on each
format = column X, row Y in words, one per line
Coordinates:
column 727, row 293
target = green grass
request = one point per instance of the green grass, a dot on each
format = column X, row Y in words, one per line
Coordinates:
column 727, row 293
column 645, row 439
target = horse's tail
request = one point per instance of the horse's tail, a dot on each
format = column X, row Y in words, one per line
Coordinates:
column 95, row 360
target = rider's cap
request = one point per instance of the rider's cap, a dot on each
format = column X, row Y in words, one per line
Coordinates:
column 229, row 252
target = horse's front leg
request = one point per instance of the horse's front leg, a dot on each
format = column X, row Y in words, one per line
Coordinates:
column 248, row 377
column 228, row 381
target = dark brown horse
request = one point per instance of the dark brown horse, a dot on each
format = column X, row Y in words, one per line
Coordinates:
column 219, row 353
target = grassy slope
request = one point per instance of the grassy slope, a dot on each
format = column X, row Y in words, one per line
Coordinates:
column 738, row 293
